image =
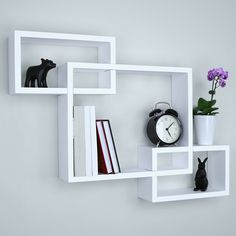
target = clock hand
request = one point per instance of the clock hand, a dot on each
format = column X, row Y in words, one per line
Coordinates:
column 170, row 125
column 168, row 132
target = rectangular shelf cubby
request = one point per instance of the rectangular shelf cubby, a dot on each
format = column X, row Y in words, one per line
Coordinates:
column 41, row 42
column 165, row 160
column 180, row 187
column 106, row 78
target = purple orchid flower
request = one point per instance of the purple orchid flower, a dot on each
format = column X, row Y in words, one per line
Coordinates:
column 222, row 83
column 218, row 77
column 217, row 73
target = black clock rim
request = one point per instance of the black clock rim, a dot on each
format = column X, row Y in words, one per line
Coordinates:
column 181, row 130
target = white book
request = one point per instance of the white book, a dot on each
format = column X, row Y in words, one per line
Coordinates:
column 93, row 141
column 82, row 141
column 111, row 146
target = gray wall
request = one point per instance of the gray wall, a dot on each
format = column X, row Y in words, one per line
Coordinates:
column 33, row 201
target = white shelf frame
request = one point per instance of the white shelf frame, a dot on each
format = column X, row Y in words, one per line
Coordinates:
column 65, row 103
column 106, row 54
column 148, row 188
column 148, row 159
column 147, row 172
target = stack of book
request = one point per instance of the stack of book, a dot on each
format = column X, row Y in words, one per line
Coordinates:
column 107, row 156
column 94, row 147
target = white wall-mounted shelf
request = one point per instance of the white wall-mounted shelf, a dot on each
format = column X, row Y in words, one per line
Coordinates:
column 42, row 91
column 126, row 174
column 105, row 50
column 155, row 166
column 179, row 77
column 168, row 188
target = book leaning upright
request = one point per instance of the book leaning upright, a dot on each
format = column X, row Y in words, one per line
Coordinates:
column 85, row 141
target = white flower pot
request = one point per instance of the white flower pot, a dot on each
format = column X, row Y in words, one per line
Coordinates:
column 205, row 129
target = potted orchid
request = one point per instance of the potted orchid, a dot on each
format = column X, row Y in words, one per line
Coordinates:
column 205, row 111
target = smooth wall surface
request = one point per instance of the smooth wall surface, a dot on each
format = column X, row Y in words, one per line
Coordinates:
column 33, row 201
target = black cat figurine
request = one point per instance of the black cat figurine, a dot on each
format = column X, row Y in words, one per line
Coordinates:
column 39, row 73
column 201, row 181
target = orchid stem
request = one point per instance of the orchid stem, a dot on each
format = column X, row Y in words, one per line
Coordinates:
column 212, row 89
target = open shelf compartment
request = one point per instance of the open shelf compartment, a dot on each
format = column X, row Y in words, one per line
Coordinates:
column 173, row 188
column 165, row 160
column 180, row 187
column 179, row 157
column 104, row 80
column 26, row 47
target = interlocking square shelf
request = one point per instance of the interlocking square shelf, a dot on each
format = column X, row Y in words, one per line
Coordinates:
column 174, row 185
column 181, row 79
column 163, row 173
column 105, row 54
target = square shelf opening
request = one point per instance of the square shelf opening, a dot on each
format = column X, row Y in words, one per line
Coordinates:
column 31, row 54
column 179, row 187
column 165, row 160
column 216, row 167
column 171, row 161
column 84, row 79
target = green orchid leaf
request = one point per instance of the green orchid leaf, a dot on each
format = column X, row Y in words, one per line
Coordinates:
column 195, row 110
column 202, row 104
column 206, row 111
column 209, row 110
column 212, row 103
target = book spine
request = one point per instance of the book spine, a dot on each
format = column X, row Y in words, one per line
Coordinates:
column 79, row 145
column 104, row 162
column 118, row 164
column 108, row 148
column 83, row 144
column 88, row 143
column 102, row 168
column 93, row 141
column 111, row 145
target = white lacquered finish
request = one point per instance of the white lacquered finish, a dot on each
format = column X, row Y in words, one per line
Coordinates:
column 165, row 160
column 65, row 126
column 181, row 157
column 125, row 174
column 164, row 188
column 109, row 85
column 105, row 47
column 42, row 91
column 135, row 68
column 188, row 194
column 155, row 164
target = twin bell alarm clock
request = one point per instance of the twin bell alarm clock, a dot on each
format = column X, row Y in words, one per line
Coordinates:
column 164, row 127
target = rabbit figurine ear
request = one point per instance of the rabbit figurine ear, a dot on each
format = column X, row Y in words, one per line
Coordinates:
column 199, row 160
column 205, row 160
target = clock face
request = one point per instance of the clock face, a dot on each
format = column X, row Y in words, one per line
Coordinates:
column 168, row 129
